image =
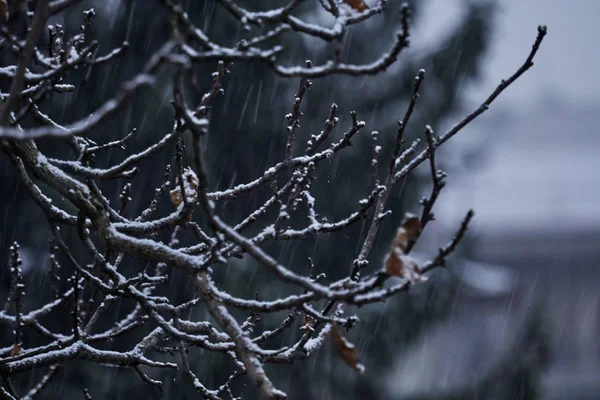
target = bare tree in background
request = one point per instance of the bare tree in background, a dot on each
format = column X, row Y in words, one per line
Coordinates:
column 166, row 334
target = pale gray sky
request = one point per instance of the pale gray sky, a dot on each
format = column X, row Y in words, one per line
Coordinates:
column 566, row 64
column 569, row 61
column 540, row 168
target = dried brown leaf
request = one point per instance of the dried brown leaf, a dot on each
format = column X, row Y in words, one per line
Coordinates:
column 346, row 350
column 190, row 185
column 176, row 198
column 403, row 266
column 16, row 350
column 408, row 232
column 397, row 262
column 358, row 5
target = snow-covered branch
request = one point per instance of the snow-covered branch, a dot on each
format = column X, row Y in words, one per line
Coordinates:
column 92, row 279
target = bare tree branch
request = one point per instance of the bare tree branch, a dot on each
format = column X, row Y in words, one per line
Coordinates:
column 88, row 282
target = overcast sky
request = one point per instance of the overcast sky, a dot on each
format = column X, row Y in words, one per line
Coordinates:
column 569, row 61
column 542, row 167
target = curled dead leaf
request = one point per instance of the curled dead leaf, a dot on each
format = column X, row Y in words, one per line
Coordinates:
column 403, row 266
column 397, row 262
column 16, row 349
column 346, row 350
column 358, row 5
column 176, row 198
column 190, row 185
column 409, row 231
